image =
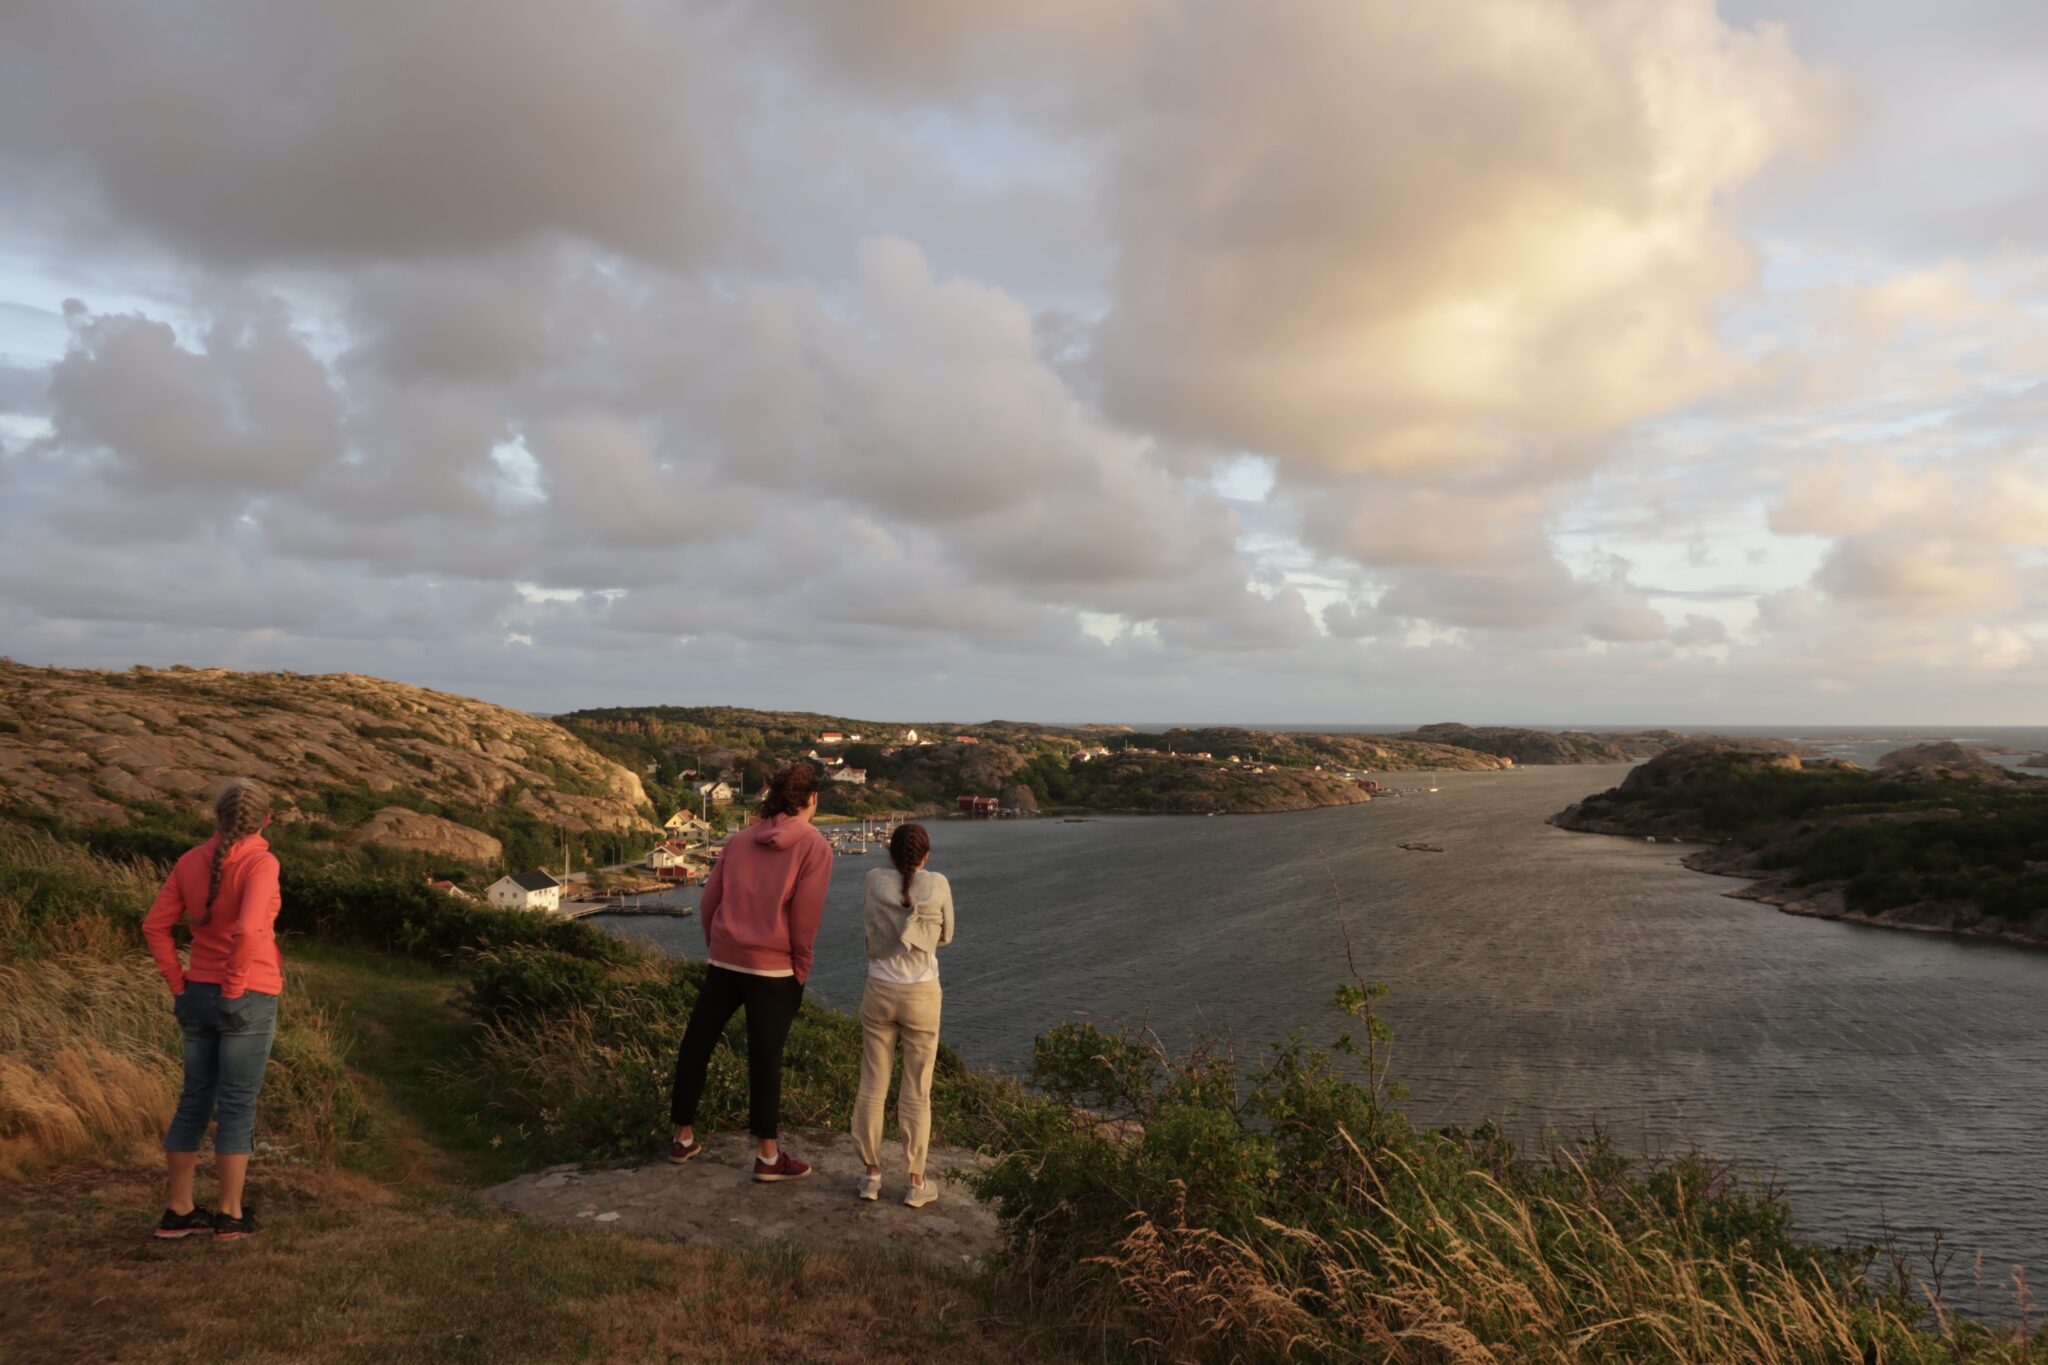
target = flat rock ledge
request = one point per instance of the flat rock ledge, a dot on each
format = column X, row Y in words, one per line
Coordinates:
column 712, row 1201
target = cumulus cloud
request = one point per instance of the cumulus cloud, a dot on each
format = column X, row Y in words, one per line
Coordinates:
column 250, row 407
column 1404, row 239
column 253, row 133
column 1950, row 539
column 1934, row 576
column 1700, row 632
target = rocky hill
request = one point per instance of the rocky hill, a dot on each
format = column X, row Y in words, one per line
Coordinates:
column 352, row 758
column 1544, row 747
column 1539, row 747
column 1680, row 794
column 1339, row 749
column 1941, row 760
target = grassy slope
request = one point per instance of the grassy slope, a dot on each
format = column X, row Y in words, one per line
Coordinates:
column 389, row 1258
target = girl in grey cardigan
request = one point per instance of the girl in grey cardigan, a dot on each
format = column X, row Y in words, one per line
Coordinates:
column 908, row 916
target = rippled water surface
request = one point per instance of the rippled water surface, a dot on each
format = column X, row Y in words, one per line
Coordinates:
column 1547, row 979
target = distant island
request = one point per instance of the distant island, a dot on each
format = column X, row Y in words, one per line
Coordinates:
column 1936, row 839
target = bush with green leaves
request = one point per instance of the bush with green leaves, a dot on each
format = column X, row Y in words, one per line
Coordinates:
column 1210, row 1208
column 581, row 1056
column 342, row 904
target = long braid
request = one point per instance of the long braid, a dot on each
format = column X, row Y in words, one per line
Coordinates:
column 907, row 848
column 238, row 812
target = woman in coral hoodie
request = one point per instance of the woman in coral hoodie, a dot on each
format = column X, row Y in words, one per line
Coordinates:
column 225, row 891
column 760, row 915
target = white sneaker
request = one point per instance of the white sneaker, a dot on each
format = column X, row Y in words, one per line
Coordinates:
column 870, row 1187
column 920, row 1195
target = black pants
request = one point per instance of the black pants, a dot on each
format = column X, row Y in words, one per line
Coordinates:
column 771, row 1003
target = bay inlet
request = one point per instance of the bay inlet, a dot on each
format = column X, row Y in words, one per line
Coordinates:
column 1549, row 980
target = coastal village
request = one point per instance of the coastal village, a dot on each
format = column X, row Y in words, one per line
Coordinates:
column 692, row 836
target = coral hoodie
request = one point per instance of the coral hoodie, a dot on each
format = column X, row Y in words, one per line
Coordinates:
column 767, row 890
column 235, row 946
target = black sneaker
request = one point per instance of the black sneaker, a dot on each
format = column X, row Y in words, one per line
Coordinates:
column 226, row 1229
column 176, row 1225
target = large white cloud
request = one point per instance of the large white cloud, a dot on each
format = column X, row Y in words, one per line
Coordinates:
column 1406, row 239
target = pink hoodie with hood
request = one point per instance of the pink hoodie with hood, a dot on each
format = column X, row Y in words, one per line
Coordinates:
column 766, row 893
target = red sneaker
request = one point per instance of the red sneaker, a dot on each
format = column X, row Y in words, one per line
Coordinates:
column 784, row 1167
column 679, row 1152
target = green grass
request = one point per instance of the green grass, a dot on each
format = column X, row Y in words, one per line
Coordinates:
column 407, row 1039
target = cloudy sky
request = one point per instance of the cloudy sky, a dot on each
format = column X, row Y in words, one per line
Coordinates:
column 1503, row 360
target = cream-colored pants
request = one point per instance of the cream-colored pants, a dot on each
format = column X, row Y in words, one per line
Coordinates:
column 889, row 1011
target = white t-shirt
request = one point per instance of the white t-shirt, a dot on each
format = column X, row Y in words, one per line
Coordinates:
column 905, row 969
column 754, row 971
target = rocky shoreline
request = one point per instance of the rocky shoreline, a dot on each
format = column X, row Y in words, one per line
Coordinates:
column 1759, row 855
column 1826, row 901
column 1820, row 900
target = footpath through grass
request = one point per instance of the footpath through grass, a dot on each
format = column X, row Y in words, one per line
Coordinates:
column 407, row 1040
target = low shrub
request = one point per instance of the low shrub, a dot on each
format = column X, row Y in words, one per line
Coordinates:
column 582, row 1056
column 407, row 918
column 1210, row 1210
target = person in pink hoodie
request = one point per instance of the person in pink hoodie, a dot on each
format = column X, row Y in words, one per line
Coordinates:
column 760, row 915
column 225, row 999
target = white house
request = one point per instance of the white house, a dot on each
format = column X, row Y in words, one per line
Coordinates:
column 718, row 792
column 677, row 861
column 910, row 736
column 536, row 890
column 853, row 777
column 688, row 825
column 832, row 737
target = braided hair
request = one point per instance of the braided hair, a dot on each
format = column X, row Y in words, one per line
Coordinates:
column 790, row 789
column 907, row 849
column 238, row 812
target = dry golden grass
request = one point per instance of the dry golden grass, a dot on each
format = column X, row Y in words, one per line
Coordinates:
column 60, row 898
column 90, row 1055
column 1475, row 1284
column 91, row 1063
column 89, row 1060
column 348, row 1270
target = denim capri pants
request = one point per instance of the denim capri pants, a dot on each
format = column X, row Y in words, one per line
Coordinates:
column 227, row 1045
